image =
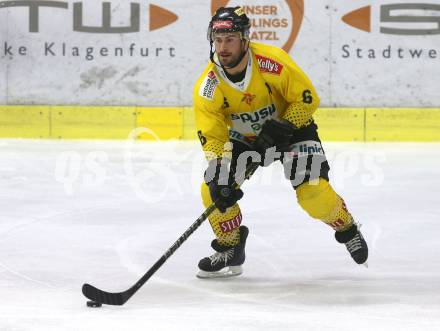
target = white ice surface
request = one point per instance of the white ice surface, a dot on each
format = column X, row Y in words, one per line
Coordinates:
column 103, row 212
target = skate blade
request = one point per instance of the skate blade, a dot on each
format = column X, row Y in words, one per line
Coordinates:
column 223, row 273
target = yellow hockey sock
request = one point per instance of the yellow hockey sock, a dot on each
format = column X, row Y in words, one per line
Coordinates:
column 323, row 203
column 225, row 225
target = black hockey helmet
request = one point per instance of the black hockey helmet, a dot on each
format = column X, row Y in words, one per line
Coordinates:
column 229, row 19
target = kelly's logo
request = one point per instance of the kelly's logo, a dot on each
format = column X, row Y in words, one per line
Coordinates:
column 269, row 21
column 159, row 17
column 413, row 19
column 268, row 65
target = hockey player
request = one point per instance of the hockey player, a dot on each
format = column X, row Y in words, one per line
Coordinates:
column 252, row 97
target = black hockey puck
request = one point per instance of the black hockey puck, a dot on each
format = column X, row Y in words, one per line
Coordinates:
column 93, row 304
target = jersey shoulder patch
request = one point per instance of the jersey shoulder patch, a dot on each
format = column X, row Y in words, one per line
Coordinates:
column 268, row 65
column 208, row 85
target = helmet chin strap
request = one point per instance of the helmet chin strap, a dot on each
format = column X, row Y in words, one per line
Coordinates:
column 243, row 54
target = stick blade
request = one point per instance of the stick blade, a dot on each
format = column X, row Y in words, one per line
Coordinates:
column 97, row 295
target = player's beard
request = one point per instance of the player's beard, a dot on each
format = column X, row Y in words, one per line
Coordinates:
column 231, row 60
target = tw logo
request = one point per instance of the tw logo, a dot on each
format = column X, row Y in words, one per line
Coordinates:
column 398, row 13
column 159, row 17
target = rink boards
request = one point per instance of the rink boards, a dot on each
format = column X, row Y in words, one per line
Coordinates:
column 101, row 122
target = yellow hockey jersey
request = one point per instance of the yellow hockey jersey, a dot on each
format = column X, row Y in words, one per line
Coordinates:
column 274, row 87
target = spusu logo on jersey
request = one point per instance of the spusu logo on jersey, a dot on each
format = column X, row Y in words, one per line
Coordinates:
column 269, row 65
column 254, row 117
column 252, row 122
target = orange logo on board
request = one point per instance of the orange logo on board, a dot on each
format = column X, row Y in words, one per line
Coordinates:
column 268, row 20
column 359, row 18
column 406, row 19
column 160, row 17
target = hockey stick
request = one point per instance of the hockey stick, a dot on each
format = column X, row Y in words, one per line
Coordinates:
column 119, row 298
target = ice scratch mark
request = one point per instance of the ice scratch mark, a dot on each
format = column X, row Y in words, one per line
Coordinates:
column 18, row 274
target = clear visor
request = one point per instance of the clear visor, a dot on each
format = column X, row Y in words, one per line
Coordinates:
column 213, row 34
column 226, row 35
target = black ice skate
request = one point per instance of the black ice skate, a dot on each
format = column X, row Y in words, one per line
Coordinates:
column 227, row 261
column 355, row 243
